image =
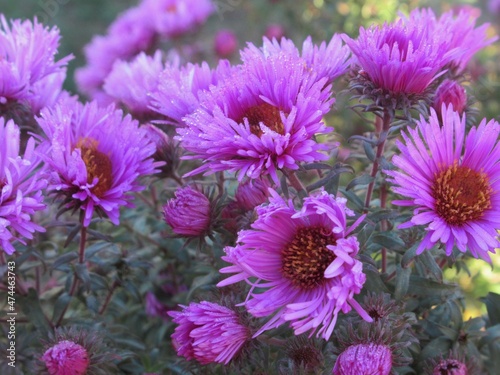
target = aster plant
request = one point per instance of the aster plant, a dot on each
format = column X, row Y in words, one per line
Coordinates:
column 299, row 206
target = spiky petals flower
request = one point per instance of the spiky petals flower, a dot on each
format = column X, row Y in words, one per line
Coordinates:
column 175, row 17
column 364, row 359
column 188, row 213
column 208, row 332
column 27, row 60
column 462, row 35
column 324, row 61
column 131, row 82
column 402, row 58
column 95, row 157
column 453, row 180
column 178, row 90
column 66, row 358
column 21, row 187
column 304, row 263
column 260, row 120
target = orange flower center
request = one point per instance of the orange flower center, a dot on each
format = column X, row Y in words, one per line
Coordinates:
column 461, row 194
column 98, row 165
column 306, row 257
column 265, row 113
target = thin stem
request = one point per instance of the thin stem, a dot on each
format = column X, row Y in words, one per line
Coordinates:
column 296, row 183
column 108, row 297
column 177, row 178
column 383, row 223
column 382, row 135
column 81, row 260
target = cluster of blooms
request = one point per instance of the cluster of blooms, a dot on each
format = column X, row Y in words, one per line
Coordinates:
column 142, row 25
column 259, row 120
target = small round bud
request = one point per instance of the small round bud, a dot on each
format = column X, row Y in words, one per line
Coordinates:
column 364, row 359
column 450, row 92
column 225, row 43
column 66, row 358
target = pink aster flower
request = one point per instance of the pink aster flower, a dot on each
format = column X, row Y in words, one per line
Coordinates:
column 132, row 82
column 462, row 35
column 178, row 92
column 95, row 157
column 66, row 358
column 27, row 63
column 188, row 213
column 453, row 180
column 301, row 264
column 260, row 120
column 364, row 359
column 128, row 35
column 20, row 188
column 324, row 61
column 175, row 17
column 208, row 332
column 403, row 57
column 450, row 92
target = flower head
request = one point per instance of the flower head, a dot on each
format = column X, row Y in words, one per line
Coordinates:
column 252, row 193
column 66, row 358
column 453, row 181
column 21, row 187
column 175, row 17
column 95, row 157
column 402, row 58
column 188, row 213
column 131, row 82
column 28, row 65
column 304, row 262
column 208, row 332
column 260, row 120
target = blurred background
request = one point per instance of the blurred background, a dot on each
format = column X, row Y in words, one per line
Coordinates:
column 250, row 20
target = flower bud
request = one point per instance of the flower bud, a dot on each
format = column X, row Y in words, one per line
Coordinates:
column 450, row 367
column 66, row 358
column 275, row 30
column 450, row 92
column 166, row 150
column 225, row 43
column 252, row 193
column 188, row 213
column 364, row 359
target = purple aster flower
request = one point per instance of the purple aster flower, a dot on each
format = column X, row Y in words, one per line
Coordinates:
column 95, row 157
column 66, row 358
column 453, row 180
column 260, row 120
column 175, row 17
column 178, row 92
column 364, row 359
column 20, row 187
column 325, row 61
column 450, row 92
column 302, row 262
column 188, row 213
column 462, row 35
column 128, row 35
column 208, row 332
column 154, row 307
column 132, row 82
column 403, row 57
column 27, row 63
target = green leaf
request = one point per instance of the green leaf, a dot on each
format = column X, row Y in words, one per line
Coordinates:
column 409, row 256
column 30, row 305
column 389, row 240
column 361, row 180
column 60, row 306
column 201, row 281
column 83, row 275
column 370, row 153
column 64, row 259
column 492, row 302
column 402, row 282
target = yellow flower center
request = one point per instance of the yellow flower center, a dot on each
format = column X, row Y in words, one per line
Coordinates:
column 306, row 257
column 265, row 113
column 98, row 165
column 461, row 194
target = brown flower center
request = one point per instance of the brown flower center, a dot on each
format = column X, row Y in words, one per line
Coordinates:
column 461, row 194
column 306, row 257
column 98, row 165
column 265, row 113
